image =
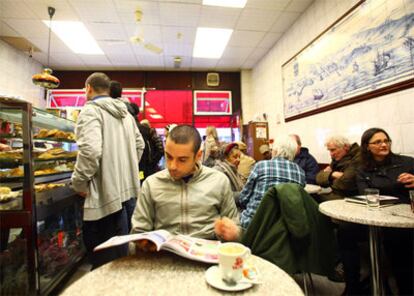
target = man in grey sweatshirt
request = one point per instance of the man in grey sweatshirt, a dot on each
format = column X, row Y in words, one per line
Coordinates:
column 106, row 171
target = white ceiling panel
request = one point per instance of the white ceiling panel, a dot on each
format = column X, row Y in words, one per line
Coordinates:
column 298, row 5
column 186, row 15
column 106, row 31
column 167, row 24
column 122, row 59
column 100, row 11
column 15, row 9
column 246, row 38
column 200, row 63
column 149, row 60
column 183, row 1
column 185, row 35
column 284, row 21
column 257, row 19
column 257, row 53
column 64, row 11
column 237, row 52
column 218, row 17
column 185, row 62
column 175, row 49
column 95, row 60
column 129, row 6
column 148, row 32
column 6, row 30
column 67, row 58
column 56, row 46
column 269, row 40
column 268, row 4
column 230, row 62
column 116, row 47
column 28, row 28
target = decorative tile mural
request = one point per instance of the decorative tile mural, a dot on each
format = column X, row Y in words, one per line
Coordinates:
column 369, row 50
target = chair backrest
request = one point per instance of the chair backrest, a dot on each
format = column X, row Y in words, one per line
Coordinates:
column 289, row 231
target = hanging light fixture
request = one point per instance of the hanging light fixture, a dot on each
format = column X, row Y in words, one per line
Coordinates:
column 46, row 79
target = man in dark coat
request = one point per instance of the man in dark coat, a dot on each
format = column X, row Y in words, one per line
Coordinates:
column 153, row 152
column 306, row 161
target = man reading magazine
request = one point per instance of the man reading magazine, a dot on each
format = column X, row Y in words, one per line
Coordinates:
column 186, row 198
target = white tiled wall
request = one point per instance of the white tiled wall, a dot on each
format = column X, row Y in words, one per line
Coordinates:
column 262, row 92
column 17, row 69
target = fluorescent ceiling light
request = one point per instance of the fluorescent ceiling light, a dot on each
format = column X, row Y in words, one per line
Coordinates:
column 226, row 3
column 75, row 36
column 211, row 42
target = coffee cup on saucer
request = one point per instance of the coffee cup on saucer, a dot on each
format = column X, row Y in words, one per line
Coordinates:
column 232, row 258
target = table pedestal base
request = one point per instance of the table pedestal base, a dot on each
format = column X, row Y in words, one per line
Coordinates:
column 374, row 248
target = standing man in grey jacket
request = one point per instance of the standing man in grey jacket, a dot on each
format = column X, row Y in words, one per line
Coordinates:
column 106, row 171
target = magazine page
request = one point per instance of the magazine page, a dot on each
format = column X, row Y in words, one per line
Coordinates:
column 158, row 237
column 193, row 248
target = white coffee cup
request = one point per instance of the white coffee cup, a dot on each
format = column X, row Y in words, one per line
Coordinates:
column 231, row 261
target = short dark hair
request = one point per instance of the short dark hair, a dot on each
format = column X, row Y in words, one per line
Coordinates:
column 368, row 161
column 99, row 82
column 134, row 109
column 115, row 89
column 184, row 134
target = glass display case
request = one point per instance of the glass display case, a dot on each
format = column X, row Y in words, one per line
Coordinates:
column 40, row 215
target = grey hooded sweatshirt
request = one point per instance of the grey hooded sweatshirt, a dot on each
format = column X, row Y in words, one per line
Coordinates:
column 110, row 146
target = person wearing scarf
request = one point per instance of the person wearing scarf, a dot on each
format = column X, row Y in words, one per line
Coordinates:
column 228, row 164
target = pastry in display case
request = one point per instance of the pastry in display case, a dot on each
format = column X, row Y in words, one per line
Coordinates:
column 40, row 214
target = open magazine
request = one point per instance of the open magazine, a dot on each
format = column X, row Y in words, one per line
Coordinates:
column 189, row 247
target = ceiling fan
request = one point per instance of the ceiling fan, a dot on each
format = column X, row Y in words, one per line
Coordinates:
column 139, row 38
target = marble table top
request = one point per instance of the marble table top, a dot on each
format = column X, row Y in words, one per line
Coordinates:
column 164, row 273
column 398, row 215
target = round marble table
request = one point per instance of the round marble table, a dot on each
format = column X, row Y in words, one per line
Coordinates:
column 398, row 216
column 164, row 273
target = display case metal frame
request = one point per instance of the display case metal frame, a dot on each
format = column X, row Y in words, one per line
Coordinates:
column 26, row 217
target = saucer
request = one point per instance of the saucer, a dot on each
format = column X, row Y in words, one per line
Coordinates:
column 214, row 279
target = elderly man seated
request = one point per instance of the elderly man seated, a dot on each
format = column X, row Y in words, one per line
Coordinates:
column 266, row 173
column 340, row 175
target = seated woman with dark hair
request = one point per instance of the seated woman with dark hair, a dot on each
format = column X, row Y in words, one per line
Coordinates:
column 393, row 175
column 227, row 164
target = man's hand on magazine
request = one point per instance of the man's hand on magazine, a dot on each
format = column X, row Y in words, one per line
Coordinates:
column 226, row 229
column 145, row 246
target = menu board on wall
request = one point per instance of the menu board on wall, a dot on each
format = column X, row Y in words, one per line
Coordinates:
column 212, row 102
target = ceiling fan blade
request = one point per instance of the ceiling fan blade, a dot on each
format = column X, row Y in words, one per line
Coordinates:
column 153, row 48
column 136, row 39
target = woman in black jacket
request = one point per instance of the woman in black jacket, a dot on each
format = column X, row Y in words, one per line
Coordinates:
column 393, row 175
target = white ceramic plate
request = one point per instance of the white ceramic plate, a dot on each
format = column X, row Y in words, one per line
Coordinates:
column 213, row 278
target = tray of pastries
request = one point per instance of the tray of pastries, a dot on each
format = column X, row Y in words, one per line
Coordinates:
column 11, row 155
column 57, row 153
column 55, row 134
column 6, row 194
column 46, row 187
